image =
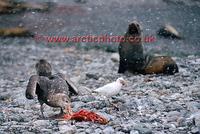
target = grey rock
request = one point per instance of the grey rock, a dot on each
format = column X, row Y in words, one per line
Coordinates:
column 63, row 122
column 119, row 132
column 5, row 96
column 16, row 117
column 78, row 105
column 83, row 90
column 181, row 121
column 140, row 127
column 108, row 130
column 41, row 123
column 2, row 118
column 107, row 116
column 96, row 104
column 82, row 132
column 196, row 92
column 67, row 129
column 144, row 130
column 89, row 131
column 173, row 116
column 197, row 120
column 115, row 57
column 173, row 106
column 193, row 106
column 92, row 76
column 44, row 130
column 98, row 131
column 195, row 130
column 134, row 132
column 85, row 98
column 81, row 125
column 26, row 132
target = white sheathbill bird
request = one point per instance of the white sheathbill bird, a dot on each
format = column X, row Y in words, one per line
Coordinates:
column 111, row 89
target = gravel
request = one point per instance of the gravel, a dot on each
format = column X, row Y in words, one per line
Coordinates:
column 148, row 104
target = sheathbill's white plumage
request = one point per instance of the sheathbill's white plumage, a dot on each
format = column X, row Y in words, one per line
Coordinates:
column 111, row 89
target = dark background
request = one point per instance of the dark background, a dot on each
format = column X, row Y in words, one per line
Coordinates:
column 72, row 18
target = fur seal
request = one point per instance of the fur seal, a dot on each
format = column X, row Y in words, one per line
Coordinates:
column 169, row 31
column 160, row 64
column 53, row 90
column 133, row 59
column 131, row 52
column 15, row 32
column 11, row 6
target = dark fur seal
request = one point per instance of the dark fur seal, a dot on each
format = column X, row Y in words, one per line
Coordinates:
column 169, row 31
column 12, row 6
column 15, row 32
column 133, row 59
column 131, row 50
column 160, row 64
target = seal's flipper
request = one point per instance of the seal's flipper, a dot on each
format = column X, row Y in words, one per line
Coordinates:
column 171, row 69
column 122, row 66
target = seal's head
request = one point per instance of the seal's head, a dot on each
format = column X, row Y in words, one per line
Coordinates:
column 43, row 68
column 134, row 28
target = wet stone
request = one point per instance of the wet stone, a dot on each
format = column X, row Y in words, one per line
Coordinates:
column 67, row 129
column 108, row 130
column 195, row 130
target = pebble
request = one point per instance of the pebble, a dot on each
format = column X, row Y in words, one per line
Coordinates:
column 41, row 123
column 197, row 119
column 5, row 96
column 108, row 130
column 143, row 130
column 172, row 116
column 195, row 130
column 115, row 57
column 134, row 132
column 67, row 129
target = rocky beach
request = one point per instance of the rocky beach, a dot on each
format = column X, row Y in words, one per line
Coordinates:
column 149, row 104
